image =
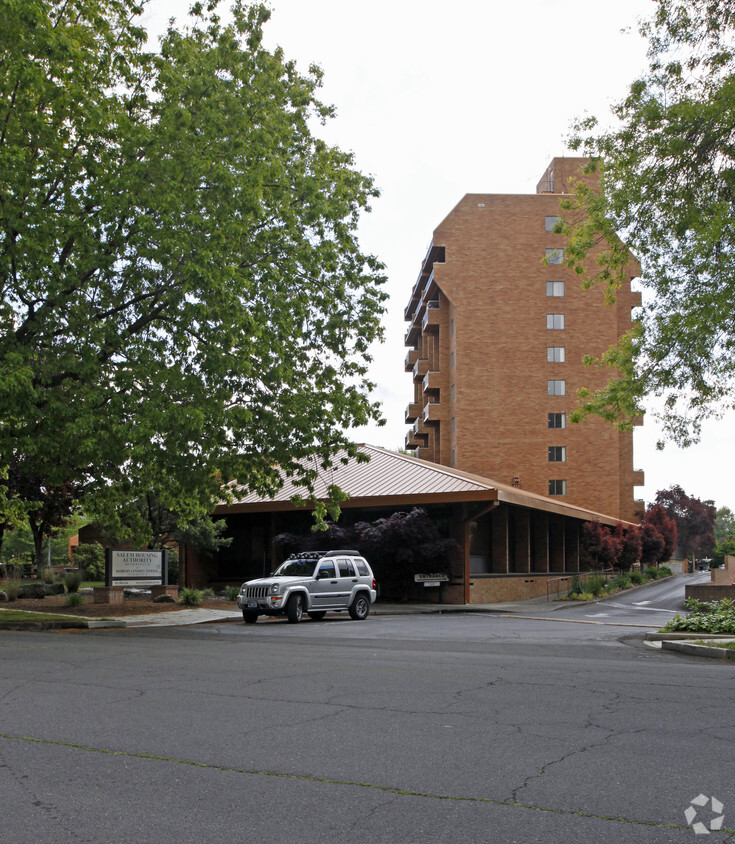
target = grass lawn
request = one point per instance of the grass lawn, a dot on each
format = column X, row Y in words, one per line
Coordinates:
column 16, row 616
column 715, row 644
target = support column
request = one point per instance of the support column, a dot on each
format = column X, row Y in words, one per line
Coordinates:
column 522, row 540
column 571, row 533
column 500, row 540
column 540, row 531
column 556, row 544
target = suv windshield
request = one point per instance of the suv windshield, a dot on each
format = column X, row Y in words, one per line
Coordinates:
column 296, row 568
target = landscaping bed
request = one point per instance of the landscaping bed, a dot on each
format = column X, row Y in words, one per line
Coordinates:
column 134, row 605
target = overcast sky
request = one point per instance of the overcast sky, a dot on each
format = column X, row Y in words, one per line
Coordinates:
column 436, row 102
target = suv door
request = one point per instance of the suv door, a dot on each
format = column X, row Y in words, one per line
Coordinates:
column 325, row 584
column 347, row 580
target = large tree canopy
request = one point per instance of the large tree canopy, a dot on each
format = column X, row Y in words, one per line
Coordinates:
column 184, row 300
column 667, row 187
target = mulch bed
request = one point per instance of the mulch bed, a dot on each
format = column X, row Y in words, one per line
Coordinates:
column 130, row 606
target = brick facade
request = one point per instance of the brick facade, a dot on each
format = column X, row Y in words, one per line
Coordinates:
column 478, row 349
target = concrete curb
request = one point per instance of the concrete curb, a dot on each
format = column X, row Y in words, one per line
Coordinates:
column 699, row 650
column 675, row 637
column 71, row 624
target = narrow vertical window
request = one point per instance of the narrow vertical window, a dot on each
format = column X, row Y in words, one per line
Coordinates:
column 556, row 388
column 555, row 354
column 555, row 288
column 555, row 322
column 557, row 454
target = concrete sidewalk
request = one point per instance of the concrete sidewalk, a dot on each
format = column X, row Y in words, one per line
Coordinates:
column 199, row 615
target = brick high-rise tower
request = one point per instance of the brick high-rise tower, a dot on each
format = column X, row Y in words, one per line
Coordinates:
column 496, row 339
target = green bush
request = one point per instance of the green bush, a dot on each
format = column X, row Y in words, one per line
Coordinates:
column 11, row 587
column 595, row 584
column 719, row 620
column 90, row 558
column 637, row 577
column 582, row 596
column 651, row 573
column 208, row 592
column 232, row 592
column 664, row 571
column 190, row 597
column 48, row 576
column 73, row 580
column 621, row 581
column 73, row 599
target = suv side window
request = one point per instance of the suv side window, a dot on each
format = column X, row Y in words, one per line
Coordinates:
column 361, row 567
column 328, row 567
column 345, row 568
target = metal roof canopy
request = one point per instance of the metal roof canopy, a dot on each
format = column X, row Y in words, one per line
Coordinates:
column 393, row 479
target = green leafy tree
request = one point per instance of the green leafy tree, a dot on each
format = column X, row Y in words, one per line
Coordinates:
column 667, row 187
column 724, row 523
column 183, row 298
column 723, row 549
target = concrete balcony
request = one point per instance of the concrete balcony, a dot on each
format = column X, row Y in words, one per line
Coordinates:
column 432, row 317
column 413, row 411
column 420, row 434
column 425, row 453
column 411, row 443
column 420, row 368
column 434, row 412
column 433, row 382
column 639, row 477
column 412, row 355
column 412, row 335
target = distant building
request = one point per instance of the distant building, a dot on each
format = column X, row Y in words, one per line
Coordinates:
column 495, row 343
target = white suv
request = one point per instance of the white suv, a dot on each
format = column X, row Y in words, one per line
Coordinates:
column 311, row 582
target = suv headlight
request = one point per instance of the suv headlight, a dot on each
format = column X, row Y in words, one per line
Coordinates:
column 275, row 588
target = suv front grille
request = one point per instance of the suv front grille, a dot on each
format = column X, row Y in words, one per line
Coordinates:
column 256, row 592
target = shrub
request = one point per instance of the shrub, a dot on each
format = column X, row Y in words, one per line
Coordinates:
column 73, row 580
column 90, row 558
column 651, row 573
column 719, row 620
column 232, row 592
column 637, row 577
column 208, row 593
column 190, row 597
column 595, row 584
column 73, row 599
column 664, row 571
column 582, row 596
column 11, row 587
column 48, row 576
column 621, row 581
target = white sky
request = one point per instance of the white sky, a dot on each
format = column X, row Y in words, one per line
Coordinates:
column 438, row 101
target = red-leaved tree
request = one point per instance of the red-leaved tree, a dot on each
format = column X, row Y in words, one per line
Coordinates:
column 667, row 529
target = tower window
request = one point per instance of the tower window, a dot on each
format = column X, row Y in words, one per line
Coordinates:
column 555, row 354
column 555, row 322
column 556, row 388
column 557, row 454
column 554, row 288
column 557, row 487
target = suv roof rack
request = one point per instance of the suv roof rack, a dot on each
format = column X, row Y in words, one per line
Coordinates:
column 337, row 553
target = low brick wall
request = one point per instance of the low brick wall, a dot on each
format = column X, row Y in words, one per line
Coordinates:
column 495, row 590
column 709, row 592
column 108, row 595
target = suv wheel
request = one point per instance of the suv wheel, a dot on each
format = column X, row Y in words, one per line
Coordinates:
column 250, row 616
column 360, row 607
column 295, row 609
